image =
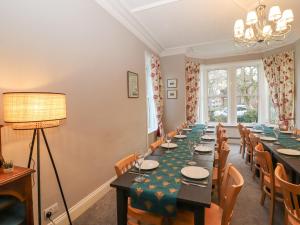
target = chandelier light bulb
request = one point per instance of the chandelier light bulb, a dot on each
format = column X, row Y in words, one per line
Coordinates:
column 281, row 25
column 275, row 13
column 267, row 30
column 288, row 15
column 249, row 34
column 251, row 18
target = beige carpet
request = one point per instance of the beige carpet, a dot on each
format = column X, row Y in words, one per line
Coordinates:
column 247, row 211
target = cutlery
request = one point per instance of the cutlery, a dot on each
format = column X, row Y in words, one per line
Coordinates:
column 193, row 184
column 198, row 182
column 136, row 173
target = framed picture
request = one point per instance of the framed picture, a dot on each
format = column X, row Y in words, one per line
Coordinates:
column 171, row 83
column 132, row 84
column 172, row 94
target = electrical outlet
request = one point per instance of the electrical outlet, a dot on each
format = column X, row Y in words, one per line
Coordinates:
column 53, row 209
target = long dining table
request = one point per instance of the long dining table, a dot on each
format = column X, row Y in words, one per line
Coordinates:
column 189, row 197
column 291, row 163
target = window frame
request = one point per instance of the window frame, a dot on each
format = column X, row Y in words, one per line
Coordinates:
column 263, row 94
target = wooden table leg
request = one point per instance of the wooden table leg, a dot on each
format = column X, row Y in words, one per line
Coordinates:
column 199, row 216
column 122, row 201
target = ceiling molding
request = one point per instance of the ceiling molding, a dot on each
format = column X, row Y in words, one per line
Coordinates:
column 153, row 5
column 121, row 14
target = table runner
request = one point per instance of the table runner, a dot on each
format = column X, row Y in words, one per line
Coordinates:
column 159, row 191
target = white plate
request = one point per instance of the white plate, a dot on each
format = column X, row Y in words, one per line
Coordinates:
column 170, row 145
column 195, row 172
column 187, row 129
column 148, row 165
column 286, row 132
column 203, row 148
column 192, row 125
column 208, row 137
column 180, row 136
column 264, row 138
column 256, row 131
column 287, row 151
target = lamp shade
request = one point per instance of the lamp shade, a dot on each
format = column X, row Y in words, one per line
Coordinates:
column 33, row 107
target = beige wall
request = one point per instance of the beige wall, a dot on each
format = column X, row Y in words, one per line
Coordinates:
column 75, row 47
column 297, row 76
column 174, row 109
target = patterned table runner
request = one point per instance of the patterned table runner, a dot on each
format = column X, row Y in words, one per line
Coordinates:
column 284, row 139
column 158, row 193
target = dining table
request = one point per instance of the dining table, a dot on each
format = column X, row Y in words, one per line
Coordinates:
column 189, row 197
column 284, row 141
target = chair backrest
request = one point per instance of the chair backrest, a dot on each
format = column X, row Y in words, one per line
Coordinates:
column 265, row 161
column 254, row 140
column 240, row 128
column 231, row 186
column 125, row 164
column 171, row 134
column 290, row 193
column 156, row 144
column 225, row 149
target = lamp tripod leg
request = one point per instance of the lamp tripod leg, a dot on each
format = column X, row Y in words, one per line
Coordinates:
column 31, row 148
column 57, row 177
column 39, row 177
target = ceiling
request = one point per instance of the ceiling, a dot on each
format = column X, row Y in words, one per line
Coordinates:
column 197, row 28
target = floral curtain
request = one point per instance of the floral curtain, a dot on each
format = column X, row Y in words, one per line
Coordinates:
column 157, row 83
column 280, row 74
column 192, row 70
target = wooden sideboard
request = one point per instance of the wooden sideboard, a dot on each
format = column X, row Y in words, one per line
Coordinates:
column 18, row 184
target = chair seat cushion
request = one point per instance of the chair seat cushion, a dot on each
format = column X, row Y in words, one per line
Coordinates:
column 213, row 216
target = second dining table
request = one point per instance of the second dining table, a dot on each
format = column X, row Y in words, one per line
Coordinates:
column 189, row 197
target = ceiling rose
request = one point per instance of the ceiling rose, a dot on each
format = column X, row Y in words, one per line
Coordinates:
column 262, row 28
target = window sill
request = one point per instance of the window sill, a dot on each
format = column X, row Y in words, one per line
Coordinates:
column 150, row 131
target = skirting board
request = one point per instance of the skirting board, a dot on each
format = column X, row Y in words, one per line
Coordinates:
column 84, row 204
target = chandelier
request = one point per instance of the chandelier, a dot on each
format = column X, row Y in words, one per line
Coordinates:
column 258, row 28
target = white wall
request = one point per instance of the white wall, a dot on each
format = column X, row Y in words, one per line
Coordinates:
column 74, row 47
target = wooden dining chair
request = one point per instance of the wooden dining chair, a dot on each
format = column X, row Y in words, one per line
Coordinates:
column 242, row 142
column 249, row 149
column 132, row 213
column 155, row 145
column 291, row 193
column 221, row 214
column 259, row 147
column 254, row 140
column 270, row 186
column 219, row 168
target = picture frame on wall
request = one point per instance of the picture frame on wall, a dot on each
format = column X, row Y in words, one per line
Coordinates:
column 172, row 94
column 171, row 83
column 132, row 84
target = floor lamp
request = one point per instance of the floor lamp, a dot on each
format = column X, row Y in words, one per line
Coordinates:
column 36, row 111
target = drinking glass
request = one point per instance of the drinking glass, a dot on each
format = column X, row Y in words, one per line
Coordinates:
column 191, row 146
column 168, row 140
column 276, row 132
column 140, row 156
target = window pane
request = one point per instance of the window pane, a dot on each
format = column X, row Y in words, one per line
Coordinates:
column 217, row 96
column 247, row 94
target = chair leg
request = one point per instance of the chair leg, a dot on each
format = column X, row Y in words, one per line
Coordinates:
column 254, row 173
column 272, row 207
column 263, row 197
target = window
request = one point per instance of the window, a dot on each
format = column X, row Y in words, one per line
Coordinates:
column 235, row 92
column 247, row 94
column 151, row 110
column 217, row 96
